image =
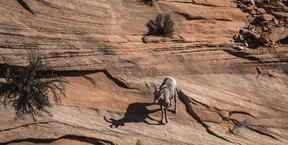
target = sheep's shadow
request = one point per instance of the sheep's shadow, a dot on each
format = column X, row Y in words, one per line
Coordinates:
column 135, row 113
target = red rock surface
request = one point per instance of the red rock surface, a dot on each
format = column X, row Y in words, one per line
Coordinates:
column 217, row 76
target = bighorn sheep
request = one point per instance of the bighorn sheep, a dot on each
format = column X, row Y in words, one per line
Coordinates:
column 164, row 96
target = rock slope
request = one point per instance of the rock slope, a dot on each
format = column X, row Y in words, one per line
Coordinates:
column 230, row 94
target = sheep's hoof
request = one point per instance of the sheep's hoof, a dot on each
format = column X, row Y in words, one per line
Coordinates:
column 161, row 122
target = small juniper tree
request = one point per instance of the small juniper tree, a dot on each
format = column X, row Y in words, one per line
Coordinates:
column 26, row 89
column 163, row 25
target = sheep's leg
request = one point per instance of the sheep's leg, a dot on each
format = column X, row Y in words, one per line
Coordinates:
column 173, row 110
column 165, row 111
column 175, row 99
column 162, row 112
column 175, row 106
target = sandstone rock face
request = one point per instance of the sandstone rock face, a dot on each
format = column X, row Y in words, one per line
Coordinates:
column 230, row 94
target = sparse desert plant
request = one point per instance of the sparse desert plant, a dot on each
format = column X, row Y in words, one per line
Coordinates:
column 149, row 2
column 139, row 142
column 163, row 25
column 26, row 89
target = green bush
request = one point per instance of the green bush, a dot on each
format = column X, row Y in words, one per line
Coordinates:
column 26, row 89
column 163, row 25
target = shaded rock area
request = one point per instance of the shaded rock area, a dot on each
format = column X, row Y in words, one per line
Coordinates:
column 267, row 23
column 228, row 94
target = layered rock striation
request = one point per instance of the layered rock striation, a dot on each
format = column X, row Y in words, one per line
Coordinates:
column 230, row 94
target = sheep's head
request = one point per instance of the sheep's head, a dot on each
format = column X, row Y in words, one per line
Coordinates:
column 156, row 93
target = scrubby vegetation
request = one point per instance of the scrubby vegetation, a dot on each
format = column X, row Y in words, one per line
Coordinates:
column 27, row 90
column 149, row 2
column 139, row 142
column 163, row 25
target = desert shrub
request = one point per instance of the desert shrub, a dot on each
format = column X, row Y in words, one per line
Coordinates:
column 149, row 2
column 139, row 142
column 163, row 25
column 27, row 90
